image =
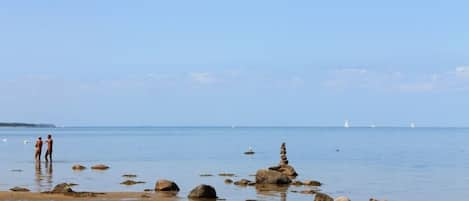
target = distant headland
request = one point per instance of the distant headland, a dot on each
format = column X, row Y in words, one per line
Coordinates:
column 28, row 125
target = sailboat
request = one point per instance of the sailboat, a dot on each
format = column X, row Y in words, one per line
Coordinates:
column 346, row 124
column 412, row 125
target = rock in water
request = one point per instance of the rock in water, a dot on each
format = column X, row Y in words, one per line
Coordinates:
column 323, row 197
column 131, row 182
column 203, row 191
column 342, row 198
column 166, row 185
column 243, row 182
column 19, row 189
column 271, row 177
column 78, row 167
column 62, row 188
column 312, row 183
column 100, row 167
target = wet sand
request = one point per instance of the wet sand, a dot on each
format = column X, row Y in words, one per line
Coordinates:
column 29, row 196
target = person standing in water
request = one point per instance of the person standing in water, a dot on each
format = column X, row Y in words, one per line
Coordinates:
column 49, row 147
column 38, row 148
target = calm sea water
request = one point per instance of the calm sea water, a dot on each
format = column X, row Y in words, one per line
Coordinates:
column 393, row 163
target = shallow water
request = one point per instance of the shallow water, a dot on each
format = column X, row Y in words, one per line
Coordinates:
column 392, row 163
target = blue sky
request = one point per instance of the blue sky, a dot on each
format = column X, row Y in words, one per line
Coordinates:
column 268, row 63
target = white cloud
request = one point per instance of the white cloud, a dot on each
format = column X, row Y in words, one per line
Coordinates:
column 203, row 77
column 358, row 78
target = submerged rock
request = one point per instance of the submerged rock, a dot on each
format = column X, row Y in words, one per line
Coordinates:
column 323, row 197
column 297, row 183
column 19, row 189
column 203, row 191
column 132, row 182
column 100, row 167
column 206, row 175
column 166, row 185
column 226, row 175
column 243, row 182
column 271, row 177
column 228, row 181
column 312, row 183
column 129, row 175
column 78, row 167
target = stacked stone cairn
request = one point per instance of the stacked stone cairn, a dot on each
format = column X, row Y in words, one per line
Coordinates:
column 283, row 166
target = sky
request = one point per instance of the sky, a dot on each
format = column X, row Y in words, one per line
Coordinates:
column 243, row 63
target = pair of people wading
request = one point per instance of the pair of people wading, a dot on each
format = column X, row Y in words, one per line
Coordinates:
column 38, row 146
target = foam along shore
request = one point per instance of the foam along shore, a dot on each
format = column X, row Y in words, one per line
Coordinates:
column 29, row 196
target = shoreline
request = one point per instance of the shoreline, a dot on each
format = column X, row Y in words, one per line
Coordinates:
column 30, row 196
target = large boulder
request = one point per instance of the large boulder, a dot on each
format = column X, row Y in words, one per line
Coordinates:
column 62, row 188
column 203, row 191
column 323, row 197
column 285, row 169
column 166, row 185
column 271, row 177
column 342, row 198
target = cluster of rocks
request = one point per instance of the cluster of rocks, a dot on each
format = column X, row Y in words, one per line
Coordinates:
column 79, row 167
column 280, row 174
column 201, row 191
column 283, row 166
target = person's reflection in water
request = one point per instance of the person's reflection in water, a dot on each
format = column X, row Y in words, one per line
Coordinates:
column 49, row 174
column 38, row 175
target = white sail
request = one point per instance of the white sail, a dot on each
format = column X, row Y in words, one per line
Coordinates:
column 346, row 124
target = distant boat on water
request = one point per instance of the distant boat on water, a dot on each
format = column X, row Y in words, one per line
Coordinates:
column 346, row 124
column 373, row 126
column 412, row 125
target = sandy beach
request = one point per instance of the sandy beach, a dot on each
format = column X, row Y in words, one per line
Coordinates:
column 102, row 196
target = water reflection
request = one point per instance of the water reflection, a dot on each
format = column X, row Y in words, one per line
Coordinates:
column 43, row 182
column 38, row 175
column 273, row 190
column 49, row 174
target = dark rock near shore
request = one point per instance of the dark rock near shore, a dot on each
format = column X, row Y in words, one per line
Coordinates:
column 62, row 188
column 166, row 185
column 129, row 175
column 228, row 181
column 271, row 177
column 78, row 167
column 19, row 189
column 323, row 197
column 206, row 175
column 100, row 167
column 203, row 191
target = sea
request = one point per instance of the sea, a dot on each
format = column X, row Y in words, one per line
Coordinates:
column 396, row 164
